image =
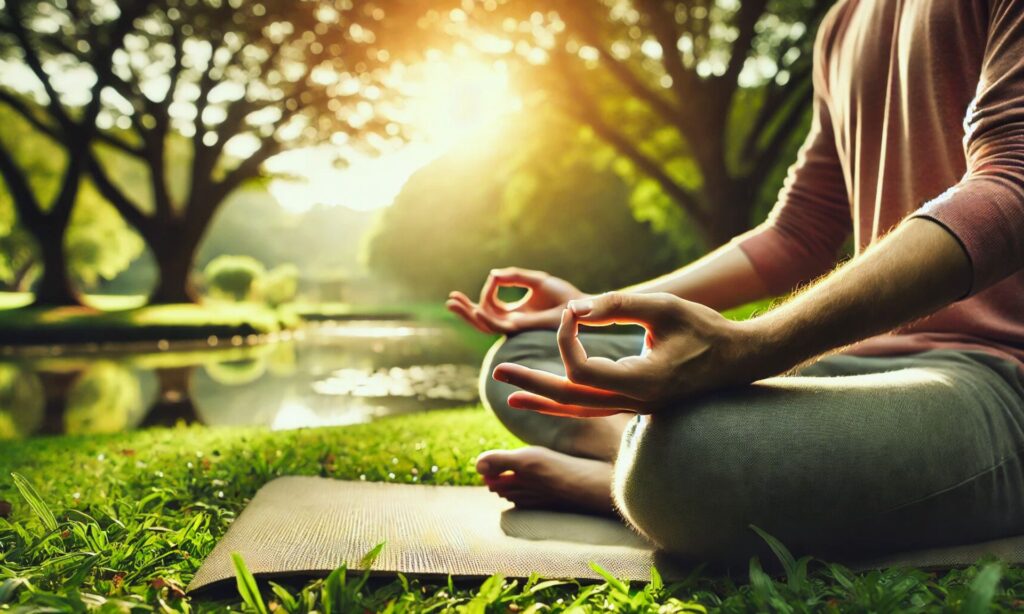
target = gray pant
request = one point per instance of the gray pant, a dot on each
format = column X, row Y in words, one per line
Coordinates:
column 853, row 456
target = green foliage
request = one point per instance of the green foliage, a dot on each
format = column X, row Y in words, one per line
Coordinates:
column 525, row 194
column 248, row 590
column 99, row 244
column 234, row 277
column 121, row 523
column 22, row 401
column 107, row 398
column 280, row 284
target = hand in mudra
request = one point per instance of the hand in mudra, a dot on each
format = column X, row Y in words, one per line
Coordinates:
column 689, row 349
column 546, row 297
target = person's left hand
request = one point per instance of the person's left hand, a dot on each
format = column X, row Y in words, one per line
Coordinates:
column 688, row 349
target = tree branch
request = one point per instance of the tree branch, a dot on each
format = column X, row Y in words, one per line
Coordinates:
column 747, row 16
column 588, row 114
column 117, row 198
column 625, row 75
column 663, row 25
column 34, row 63
column 25, row 202
column 21, row 108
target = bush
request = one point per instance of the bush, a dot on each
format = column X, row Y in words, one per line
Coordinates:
column 234, row 277
column 280, row 284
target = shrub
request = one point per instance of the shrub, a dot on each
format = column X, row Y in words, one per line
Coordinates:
column 234, row 277
column 281, row 284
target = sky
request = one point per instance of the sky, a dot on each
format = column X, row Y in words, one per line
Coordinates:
column 455, row 99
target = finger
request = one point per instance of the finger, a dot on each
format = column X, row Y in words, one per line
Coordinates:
column 513, row 276
column 481, row 318
column 626, row 376
column 491, row 323
column 560, row 389
column 537, row 403
column 500, row 325
column 648, row 310
column 569, row 345
column 467, row 315
column 460, row 310
column 462, row 298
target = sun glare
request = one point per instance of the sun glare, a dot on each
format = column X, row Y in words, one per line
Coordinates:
column 449, row 100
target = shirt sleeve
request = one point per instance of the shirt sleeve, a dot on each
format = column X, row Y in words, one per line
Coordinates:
column 811, row 219
column 985, row 210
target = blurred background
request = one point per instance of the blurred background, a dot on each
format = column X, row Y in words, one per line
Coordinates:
column 250, row 211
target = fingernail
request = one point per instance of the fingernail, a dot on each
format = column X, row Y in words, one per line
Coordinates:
column 581, row 308
column 499, row 375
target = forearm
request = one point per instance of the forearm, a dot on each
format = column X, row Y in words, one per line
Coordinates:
column 916, row 270
column 721, row 280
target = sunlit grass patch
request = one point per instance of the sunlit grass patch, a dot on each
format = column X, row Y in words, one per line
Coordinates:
column 38, row 325
column 123, row 522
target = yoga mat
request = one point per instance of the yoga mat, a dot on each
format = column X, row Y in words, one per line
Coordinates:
column 310, row 526
column 307, row 526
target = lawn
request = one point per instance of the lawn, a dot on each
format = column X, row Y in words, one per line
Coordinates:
column 123, row 522
column 32, row 325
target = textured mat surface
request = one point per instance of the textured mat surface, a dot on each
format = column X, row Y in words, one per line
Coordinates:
column 305, row 525
column 310, row 526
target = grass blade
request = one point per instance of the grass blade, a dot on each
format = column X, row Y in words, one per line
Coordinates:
column 371, row 557
column 31, row 496
column 983, row 590
column 781, row 552
column 247, row 587
column 613, row 582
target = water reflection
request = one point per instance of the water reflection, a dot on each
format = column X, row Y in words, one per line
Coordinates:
column 22, row 402
column 107, row 398
column 329, row 374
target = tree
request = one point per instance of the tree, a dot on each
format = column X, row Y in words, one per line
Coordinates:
column 234, row 277
column 704, row 98
column 47, row 215
column 528, row 194
column 97, row 243
column 227, row 84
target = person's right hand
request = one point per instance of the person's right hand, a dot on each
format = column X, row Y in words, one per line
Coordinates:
column 546, row 297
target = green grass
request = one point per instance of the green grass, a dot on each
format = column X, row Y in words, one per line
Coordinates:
column 37, row 325
column 122, row 522
column 105, row 302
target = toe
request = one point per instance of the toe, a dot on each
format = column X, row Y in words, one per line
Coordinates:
column 500, row 481
column 496, row 462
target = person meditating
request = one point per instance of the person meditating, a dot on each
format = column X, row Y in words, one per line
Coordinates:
column 881, row 407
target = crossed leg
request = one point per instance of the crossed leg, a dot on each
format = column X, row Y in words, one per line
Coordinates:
column 853, row 456
column 569, row 462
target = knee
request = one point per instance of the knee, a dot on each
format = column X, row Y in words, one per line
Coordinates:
column 524, row 348
column 680, row 483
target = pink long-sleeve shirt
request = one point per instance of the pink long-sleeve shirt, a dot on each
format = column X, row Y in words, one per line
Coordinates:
column 918, row 112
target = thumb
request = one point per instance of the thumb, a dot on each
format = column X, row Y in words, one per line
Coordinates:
column 624, row 308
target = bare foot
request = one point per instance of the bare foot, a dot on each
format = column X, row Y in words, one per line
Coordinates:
column 540, row 478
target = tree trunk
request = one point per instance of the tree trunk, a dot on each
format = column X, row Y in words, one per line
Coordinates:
column 54, row 287
column 175, row 284
column 732, row 203
column 174, row 255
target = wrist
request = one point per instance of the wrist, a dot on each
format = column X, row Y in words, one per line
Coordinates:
column 770, row 346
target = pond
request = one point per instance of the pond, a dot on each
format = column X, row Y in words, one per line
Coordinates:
column 325, row 374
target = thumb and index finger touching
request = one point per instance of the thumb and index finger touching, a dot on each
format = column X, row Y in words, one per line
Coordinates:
column 621, row 376
column 513, row 276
